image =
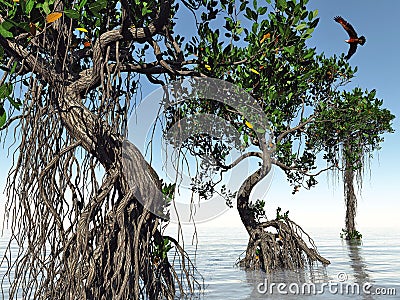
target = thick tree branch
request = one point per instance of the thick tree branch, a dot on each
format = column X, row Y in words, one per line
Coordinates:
column 33, row 62
column 158, row 55
column 86, row 83
column 179, row 53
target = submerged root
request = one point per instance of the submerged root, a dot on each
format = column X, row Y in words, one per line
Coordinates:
column 279, row 244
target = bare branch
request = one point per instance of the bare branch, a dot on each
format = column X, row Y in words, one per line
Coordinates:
column 241, row 158
column 297, row 168
column 158, row 55
column 300, row 126
column 10, row 121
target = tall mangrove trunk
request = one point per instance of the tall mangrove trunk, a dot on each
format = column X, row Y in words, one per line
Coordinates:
column 350, row 198
column 351, row 158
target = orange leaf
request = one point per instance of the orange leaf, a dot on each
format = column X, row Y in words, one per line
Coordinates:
column 86, row 44
column 53, row 17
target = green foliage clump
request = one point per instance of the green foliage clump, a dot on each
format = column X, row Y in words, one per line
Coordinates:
column 161, row 250
column 350, row 235
column 257, row 209
column 285, row 216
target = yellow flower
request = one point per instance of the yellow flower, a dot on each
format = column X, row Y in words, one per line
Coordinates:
column 208, row 67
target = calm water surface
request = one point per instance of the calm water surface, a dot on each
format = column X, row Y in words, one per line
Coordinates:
column 375, row 261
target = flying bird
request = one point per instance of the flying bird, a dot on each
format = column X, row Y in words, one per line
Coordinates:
column 354, row 39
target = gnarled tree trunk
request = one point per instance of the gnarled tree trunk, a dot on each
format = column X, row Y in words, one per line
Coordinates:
column 274, row 244
column 81, row 237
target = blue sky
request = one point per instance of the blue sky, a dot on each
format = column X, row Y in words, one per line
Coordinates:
column 378, row 62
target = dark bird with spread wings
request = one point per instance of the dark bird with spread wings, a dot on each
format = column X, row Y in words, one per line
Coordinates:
column 354, row 39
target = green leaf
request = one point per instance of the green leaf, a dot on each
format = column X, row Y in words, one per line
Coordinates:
column 3, row 116
column 81, row 4
column 6, row 3
column 4, row 32
column 5, row 90
column 246, row 138
column 7, row 25
column 29, row 6
column 308, row 55
column 46, row 8
column 290, row 49
column 73, row 14
column 281, row 4
column 262, row 10
column 251, row 14
column 309, row 31
column 96, row 6
column 145, row 11
column 12, row 71
column 254, row 27
column 301, row 26
column 314, row 23
column 260, row 130
column 15, row 102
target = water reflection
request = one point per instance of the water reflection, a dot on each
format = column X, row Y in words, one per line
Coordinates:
column 315, row 280
column 358, row 265
column 376, row 261
column 287, row 284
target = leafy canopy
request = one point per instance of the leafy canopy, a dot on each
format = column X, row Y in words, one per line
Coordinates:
column 262, row 48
